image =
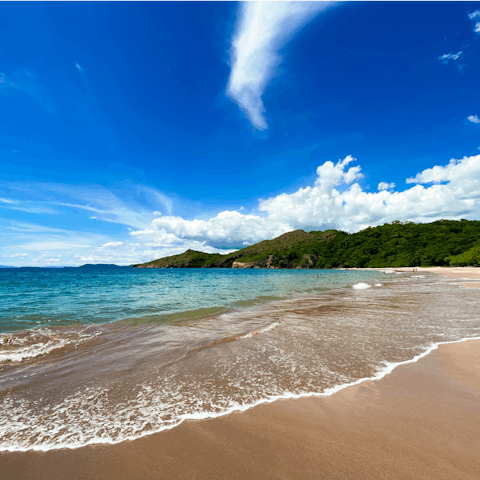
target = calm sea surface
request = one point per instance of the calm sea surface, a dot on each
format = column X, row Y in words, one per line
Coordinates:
column 102, row 356
column 56, row 297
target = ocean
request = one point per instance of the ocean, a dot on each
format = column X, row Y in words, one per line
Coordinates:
column 106, row 355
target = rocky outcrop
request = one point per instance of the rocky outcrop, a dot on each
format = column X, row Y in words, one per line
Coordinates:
column 272, row 261
column 309, row 261
column 244, row 265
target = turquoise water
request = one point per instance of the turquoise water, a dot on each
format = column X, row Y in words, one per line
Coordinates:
column 74, row 372
column 35, row 297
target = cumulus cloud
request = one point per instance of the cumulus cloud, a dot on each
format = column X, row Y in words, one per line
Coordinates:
column 228, row 226
column 464, row 174
column 263, row 28
column 475, row 17
column 385, row 186
column 337, row 200
column 473, row 119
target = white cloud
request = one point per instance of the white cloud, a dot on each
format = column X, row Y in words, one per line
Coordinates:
column 447, row 57
column 475, row 17
column 337, row 200
column 263, row 28
column 96, row 199
column 31, row 209
column 473, row 119
column 227, row 226
column 9, row 201
column 464, row 174
column 385, row 186
column 112, row 244
column 34, row 228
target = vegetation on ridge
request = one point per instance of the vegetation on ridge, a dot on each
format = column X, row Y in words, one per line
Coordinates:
column 441, row 243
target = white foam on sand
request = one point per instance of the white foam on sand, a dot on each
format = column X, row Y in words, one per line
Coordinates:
column 379, row 285
column 261, row 330
column 15, row 347
column 233, row 407
column 361, row 286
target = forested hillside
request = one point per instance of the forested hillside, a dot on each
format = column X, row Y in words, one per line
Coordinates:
column 441, row 243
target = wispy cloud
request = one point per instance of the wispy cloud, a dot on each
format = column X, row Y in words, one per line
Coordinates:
column 473, row 119
column 129, row 205
column 9, row 201
column 450, row 57
column 454, row 58
column 25, row 81
column 34, row 228
column 133, row 206
column 31, row 209
column 263, row 28
column 475, row 17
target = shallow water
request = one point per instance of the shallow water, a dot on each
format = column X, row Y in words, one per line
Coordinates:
column 121, row 380
column 72, row 296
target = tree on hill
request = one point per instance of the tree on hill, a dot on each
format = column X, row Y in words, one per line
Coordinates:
column 441, row 243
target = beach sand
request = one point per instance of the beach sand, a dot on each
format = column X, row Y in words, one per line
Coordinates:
column 420, row 421
column 472, row 273
column 462, row 273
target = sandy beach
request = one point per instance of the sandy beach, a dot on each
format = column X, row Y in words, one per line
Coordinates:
column 472, row 273
column 420, row 421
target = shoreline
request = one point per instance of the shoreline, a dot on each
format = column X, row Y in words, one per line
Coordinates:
column 150, row 446
column 389, row 369
column 422, row 420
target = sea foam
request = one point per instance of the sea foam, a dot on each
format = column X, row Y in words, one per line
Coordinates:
column 261, row 330
column 361, row 286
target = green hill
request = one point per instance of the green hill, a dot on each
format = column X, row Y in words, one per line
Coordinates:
column 441, row 243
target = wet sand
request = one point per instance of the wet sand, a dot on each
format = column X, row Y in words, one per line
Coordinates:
column 420, row 421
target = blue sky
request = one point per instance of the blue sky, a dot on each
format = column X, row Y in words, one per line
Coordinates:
column 132, row 131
